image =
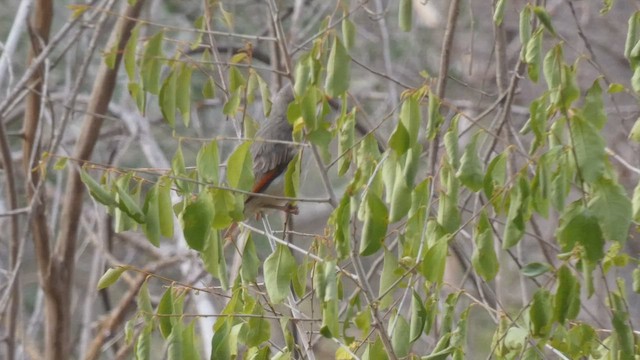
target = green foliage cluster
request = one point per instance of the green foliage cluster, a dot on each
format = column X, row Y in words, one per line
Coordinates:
column 402, row 212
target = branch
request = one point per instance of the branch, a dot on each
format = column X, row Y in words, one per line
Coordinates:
column 442, row 77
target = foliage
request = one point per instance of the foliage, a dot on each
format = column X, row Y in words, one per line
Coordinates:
column 445, row 186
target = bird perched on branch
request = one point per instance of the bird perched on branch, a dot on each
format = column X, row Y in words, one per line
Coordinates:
column 271, row 156
column 272, row 151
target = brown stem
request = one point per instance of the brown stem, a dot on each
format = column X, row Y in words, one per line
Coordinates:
column 454, row 9
column 41, row 27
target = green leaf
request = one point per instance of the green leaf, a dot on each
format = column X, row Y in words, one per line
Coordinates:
column 164, row 312
column 213, row 258
column 583, row 227
column 224, row 343
column 138, row 95
column 224, row 204
column 448, row 213
column 636, row 203
column 174, row 343
column 346, row 135
column 151, row 210
column 250, row 261
column 387, row 279
column 265, row 93
column 165, row 208
column 524, row 29
column 624, row 333
column 634, row 134
column 631, row 42
column 129, row 54
column 418, row 317
column 495, row 177
column 240, row 168
column 594, row 111
column 615, row 88
column 450, row 141
column 635, row 79
column 208, row 163
column 375, row 350
column 189, row 345
column 566, row 304
column 404, row 15
column 338, row 69
column 60, row 164
column 183, row 92
column 278, row 270
column 470, row 172
column 400, row 197
column 341, row 221
column 399, row 140
column 300, row 278
column 375, row 225
column 399, row 339
column 636, row 280
column 544, row 18
column 152, row 60
column 552, row 66
column 128, row 204
column 533, row 55
column 612, row 206
column 232, row 106
column 330, row 325
column 144, row 301
column 588, row 146
column 435, row 118
column 434, row 261
column 292, row 177
column 308, row 105
column 606, row 6
column 110, row 277
column 96, row 190
column 110, row 57
column 498, row 14
column 348, row 33
column 236, row 79
column 541, row 314
column 167, row 98
column 257, row 329
column 196, row 221
column 535, row 269
column 209, row 89
column 303, row 75
column 143, row 343
column 411, row 118
column 179, row 170
column 484, row 258
column 518, row 214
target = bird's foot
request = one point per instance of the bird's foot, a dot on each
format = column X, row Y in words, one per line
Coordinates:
column 289, row 208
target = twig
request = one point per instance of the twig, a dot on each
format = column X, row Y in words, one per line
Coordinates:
column 17, row 28
column 442, row 77
column 386, row 53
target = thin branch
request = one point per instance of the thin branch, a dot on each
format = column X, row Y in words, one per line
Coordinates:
column 445, row 58
column 386, row 52
column 18, row 27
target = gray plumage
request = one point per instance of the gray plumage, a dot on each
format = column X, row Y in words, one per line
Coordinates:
column 271, row 159
column 268, row 156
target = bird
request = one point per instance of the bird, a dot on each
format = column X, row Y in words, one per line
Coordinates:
column 272, row 151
